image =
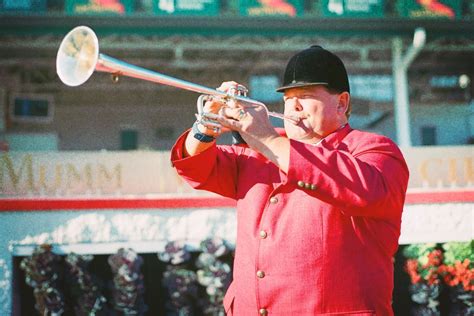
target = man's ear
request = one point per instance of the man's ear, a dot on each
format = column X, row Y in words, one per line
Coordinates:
column 343, row 102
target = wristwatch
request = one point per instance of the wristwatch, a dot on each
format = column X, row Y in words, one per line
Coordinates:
column 201, row 136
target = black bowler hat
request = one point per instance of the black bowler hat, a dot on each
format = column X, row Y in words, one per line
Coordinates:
column 315, row 66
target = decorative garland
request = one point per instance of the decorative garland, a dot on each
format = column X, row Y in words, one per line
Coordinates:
column 433, row 268
column 214, row 274
column 183, row 284
column 42, row 273
column 458, row 274
column 85, row 292
column 195, row 282
column 190, row 292
column 128, row 286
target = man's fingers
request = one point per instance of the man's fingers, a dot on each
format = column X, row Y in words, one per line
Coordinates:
column 213, row 106
column 235, row 113
column 230, row 123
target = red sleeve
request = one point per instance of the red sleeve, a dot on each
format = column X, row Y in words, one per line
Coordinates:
column 214, row 170
column 368, row 180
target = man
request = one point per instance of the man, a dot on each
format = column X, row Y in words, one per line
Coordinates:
column 318, row 211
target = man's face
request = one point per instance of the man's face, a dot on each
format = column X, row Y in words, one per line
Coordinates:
column 321, row 112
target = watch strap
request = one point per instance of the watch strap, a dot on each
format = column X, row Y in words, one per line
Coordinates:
column 201, row 136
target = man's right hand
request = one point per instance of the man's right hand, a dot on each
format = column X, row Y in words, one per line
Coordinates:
column 212, row 106
column 193, row 145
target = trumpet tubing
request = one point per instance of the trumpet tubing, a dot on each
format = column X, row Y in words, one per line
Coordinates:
column 78, row 57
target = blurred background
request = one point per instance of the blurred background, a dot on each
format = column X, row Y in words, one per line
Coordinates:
column 208, row 42
column 85, row 181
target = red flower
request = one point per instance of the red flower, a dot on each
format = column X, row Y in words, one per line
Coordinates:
column 434, row 258
column 428, row 272
column 411, row 268
column 459, row 273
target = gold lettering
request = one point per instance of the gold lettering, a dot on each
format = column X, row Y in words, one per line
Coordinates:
column 105, row 177
column 452, row 171
column 74, row 180
column 15, row 177
column 59, row 176
column 425, row 172
column 43, row 179
column 469, row 166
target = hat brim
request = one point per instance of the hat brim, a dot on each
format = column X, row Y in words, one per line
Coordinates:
column 299, row 85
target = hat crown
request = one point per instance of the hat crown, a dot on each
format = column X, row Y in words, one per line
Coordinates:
column 313, row 66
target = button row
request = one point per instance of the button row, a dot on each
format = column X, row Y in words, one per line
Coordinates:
column 309, row 186
column 260, row 274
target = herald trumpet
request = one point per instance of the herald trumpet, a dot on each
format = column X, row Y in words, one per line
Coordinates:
column 78, row 58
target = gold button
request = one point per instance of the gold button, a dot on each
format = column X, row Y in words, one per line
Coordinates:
column 263, row 311
column 263, row 234
column 273, row 200
column 313, row 187
column 300, row 184
column 307, row 185
column 260, row 274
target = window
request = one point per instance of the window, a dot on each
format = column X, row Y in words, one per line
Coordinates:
column 128, row 139
column 32, row 108
column 428, row 135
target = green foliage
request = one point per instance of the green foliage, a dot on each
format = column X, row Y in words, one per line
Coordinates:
column 458, row 251
column 419, row 251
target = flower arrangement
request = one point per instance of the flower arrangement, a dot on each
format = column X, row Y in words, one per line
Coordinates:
column 213, row 274
column 86, row 295
column 128, row 284
column 182, row 288
column 458, row 267
column 194, row 281
column 423, row 267
column 449, row 266
column 458, row 274
column 423, row 263
column 193, row 292
column 175, row 253
column 42, row 273
column 178, row 279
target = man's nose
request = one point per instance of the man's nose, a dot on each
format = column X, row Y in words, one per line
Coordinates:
column 293, row 104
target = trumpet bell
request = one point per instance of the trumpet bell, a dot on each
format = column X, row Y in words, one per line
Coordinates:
column 77, row 56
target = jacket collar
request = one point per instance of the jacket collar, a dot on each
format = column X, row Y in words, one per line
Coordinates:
column 335, row 138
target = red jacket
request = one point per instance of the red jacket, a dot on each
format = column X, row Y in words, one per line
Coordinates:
column 319, row 240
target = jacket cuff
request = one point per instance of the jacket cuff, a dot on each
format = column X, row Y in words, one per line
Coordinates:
column 187, row 165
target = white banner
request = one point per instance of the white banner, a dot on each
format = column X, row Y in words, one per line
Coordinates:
column 143, row 173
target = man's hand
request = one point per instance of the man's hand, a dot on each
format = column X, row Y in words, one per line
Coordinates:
column 207, row 126
column 253, row 124
column 251, row 121
column 194, row 146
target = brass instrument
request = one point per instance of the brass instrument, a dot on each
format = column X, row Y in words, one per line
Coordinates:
column 78, row 57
